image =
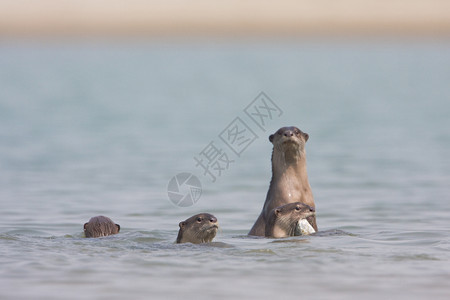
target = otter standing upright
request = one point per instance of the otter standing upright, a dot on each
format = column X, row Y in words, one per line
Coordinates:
column 289, row 182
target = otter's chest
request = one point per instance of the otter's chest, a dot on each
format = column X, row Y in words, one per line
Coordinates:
column 289, row 191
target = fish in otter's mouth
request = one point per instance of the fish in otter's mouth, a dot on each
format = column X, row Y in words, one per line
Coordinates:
column 304, row 228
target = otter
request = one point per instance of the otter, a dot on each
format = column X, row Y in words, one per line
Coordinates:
column 100, row 226
column 289, row 182
column 283, row 221
column 201, row 228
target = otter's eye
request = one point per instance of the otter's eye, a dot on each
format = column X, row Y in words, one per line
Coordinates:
column 199, row 219
column 297, row 132
column 297, row 208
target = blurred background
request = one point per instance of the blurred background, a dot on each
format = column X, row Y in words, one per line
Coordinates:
column 222, row 18
column 102, row 102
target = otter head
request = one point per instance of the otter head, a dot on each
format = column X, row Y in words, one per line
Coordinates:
column 283, row 220
column 289, row 140
column 201, row 228
column 100, row 226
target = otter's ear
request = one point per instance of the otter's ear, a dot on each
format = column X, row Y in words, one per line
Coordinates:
column 305, row 136
column 118, row 227
column 277, row 212
column 85, row 225
column 271, row 138
column 182, row 224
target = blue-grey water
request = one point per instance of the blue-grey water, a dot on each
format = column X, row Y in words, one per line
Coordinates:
column 99, row 128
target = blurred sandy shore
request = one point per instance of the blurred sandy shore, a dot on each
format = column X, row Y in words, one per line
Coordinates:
column 223, row 18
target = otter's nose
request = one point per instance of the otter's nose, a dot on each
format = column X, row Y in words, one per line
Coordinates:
column 288, row 133
column 213, row 220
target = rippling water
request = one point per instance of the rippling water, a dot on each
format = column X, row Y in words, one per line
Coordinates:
column 100, row 128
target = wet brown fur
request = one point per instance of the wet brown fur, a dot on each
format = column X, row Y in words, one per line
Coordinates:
column 100, row 226
column 289, row 182
column 201, row 228
column 283, row 220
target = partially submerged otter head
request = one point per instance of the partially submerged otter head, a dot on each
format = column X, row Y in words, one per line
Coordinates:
column 289, row 141
column 201, row 228
column 283, row 220
column 100, row 226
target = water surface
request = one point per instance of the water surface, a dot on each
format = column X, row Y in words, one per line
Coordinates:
column 100, row 128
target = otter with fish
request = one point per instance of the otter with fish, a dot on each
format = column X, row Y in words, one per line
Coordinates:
column 285, row 221
column 289, row 182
